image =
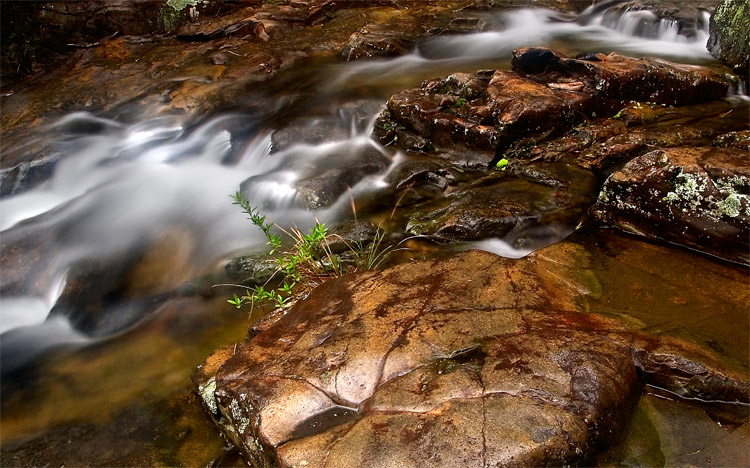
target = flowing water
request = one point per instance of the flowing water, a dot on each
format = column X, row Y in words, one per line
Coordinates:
column 158, row 191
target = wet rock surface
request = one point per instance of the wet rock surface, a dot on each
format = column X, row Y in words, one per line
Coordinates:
column 475, row 360
column 697, row 197
column 729, row 37
column 509, row 205
column 555, row 125
column 546, row 93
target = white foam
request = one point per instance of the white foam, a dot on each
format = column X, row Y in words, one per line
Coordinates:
column 498, row 247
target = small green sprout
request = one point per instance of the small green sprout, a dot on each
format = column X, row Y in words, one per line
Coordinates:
column 502, row 164
column 237, row 301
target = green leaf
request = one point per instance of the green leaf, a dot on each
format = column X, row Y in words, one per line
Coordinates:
column 502, row 164
column 237, row 301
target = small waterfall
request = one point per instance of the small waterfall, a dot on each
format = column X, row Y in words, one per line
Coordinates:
column 648, row 25
column 597, row 29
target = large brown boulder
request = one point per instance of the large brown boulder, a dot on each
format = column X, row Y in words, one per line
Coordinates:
column 624, row 78
column 546, row 94
column 696, row 197
column 474, row 360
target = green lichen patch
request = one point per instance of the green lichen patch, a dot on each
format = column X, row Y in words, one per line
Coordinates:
column 240, row 420
column 694, row 190
column 207, row 395
column 735, row 191
column 688, row 189
column 730, row 206
column 325, row 377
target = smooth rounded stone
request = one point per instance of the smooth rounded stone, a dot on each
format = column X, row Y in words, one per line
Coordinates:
column 695, row 197
column 251, row 269
column 729, row 38
column 473, row 360
column 323, row 189
column 322, row 174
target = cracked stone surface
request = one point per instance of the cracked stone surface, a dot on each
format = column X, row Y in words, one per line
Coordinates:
column 474, row 360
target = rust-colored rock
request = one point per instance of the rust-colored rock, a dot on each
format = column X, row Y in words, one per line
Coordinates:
column 545, row 95
column 474, row 360
column 605, row 144
column 624, row 78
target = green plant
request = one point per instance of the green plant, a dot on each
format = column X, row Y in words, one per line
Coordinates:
column 257, row 219
column 309, row 261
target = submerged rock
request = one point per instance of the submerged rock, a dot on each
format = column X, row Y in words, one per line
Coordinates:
column 473, row 360
column 512, row 205
column 375, row 41
column 603, row 145
column 696, row 197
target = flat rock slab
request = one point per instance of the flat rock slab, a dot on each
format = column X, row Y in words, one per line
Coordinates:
column 474, row 360
column 696, row 197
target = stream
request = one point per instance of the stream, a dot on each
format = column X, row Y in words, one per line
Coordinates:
column 114, row 304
